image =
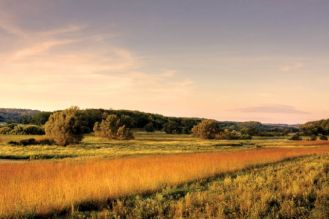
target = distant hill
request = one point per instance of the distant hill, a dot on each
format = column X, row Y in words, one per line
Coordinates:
column 15, row 115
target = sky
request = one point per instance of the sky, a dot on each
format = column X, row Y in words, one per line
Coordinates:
column 230, row 60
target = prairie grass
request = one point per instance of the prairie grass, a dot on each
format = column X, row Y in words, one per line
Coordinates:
column 42, row 187
column 297, row 188
column 144, row 144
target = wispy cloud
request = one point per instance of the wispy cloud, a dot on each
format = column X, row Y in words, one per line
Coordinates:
column 271, row 109
column 69, row 65
column 292, row 67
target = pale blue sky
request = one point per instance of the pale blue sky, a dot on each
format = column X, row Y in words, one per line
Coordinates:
column 229, row 60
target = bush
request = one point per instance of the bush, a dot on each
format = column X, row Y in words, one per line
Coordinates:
column 64, row 127
column 172, row 127
column 33, row 130
column 313, row 138
column 5, row 130
column 32, row 141
column 232, row 135
column 27, row 130
column 14, row 129
column 114, row 127
column 206, row 129
column 149, row 127
column 323, row 138
column 295, row 137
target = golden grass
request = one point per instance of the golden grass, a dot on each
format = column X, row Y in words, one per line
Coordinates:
column 40, row 187
column 143, row 144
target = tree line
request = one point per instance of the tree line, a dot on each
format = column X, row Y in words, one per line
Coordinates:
column 68, row 126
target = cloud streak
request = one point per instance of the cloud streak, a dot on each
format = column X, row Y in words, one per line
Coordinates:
column 271, row 109
column 66, row 66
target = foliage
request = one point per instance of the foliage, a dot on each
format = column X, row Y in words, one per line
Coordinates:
column 313, row 138
column 323, row 137
column 316, row 127
column 16, row 115
column 206, row 129
column 172, row 127
column 5, row 130
column 232, row 135
column 32, row 141
column 40, row 118
column 114, row 127
column 149, row 127
column 18, row 129
column 251, row 128
column 139, row 120
column 64, row 127
column 295, row 137
column 142, row 120
column 210, row 129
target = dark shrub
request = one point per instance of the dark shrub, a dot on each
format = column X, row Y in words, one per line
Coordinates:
column 149, row 127
column 65, row 127
column 114, row 127
column 14, row 129
column 323, row 138
column 295, row 137
column 5, row 130
column 172, row 127
column 33, row 130
column 232, row 135
column 31, row 141
column 313, row 138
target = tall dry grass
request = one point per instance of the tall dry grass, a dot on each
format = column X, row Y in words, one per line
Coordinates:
column 41, row 187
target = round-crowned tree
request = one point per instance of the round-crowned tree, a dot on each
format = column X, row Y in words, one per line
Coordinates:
column 114, row 127
column 206, row 129
column 64, row 127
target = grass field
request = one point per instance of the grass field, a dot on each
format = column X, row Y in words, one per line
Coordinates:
column 42, row 187
column 297, row 188
column 144, row 143
column 97, row 172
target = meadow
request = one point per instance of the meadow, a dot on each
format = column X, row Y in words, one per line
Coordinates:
column 295, row 188
column 100, row 174
column 143, row 144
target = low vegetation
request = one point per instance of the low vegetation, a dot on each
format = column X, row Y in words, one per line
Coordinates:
column 122, row 186
column 297, row 188
column 114, row 127
column 64, row 127
column 146, row 121
column 54, row 186
column 144, row 143
column 210, row 129
column 19, row 129
column 32, row 141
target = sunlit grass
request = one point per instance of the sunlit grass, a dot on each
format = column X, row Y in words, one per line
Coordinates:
column 296, row 188
column 40, row 187
column 145, row 143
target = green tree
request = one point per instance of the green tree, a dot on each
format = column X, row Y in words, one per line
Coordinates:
column 64, row 127
column 171, row 127
column 206, row 129
column 149, row 127
column 114, row 127
column 295, row 137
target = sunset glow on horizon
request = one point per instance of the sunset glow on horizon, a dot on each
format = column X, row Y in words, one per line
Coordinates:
column 239, row 60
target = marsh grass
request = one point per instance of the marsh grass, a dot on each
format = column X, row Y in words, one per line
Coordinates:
column 143, row 144
column 43, row 187
column 295, row 188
